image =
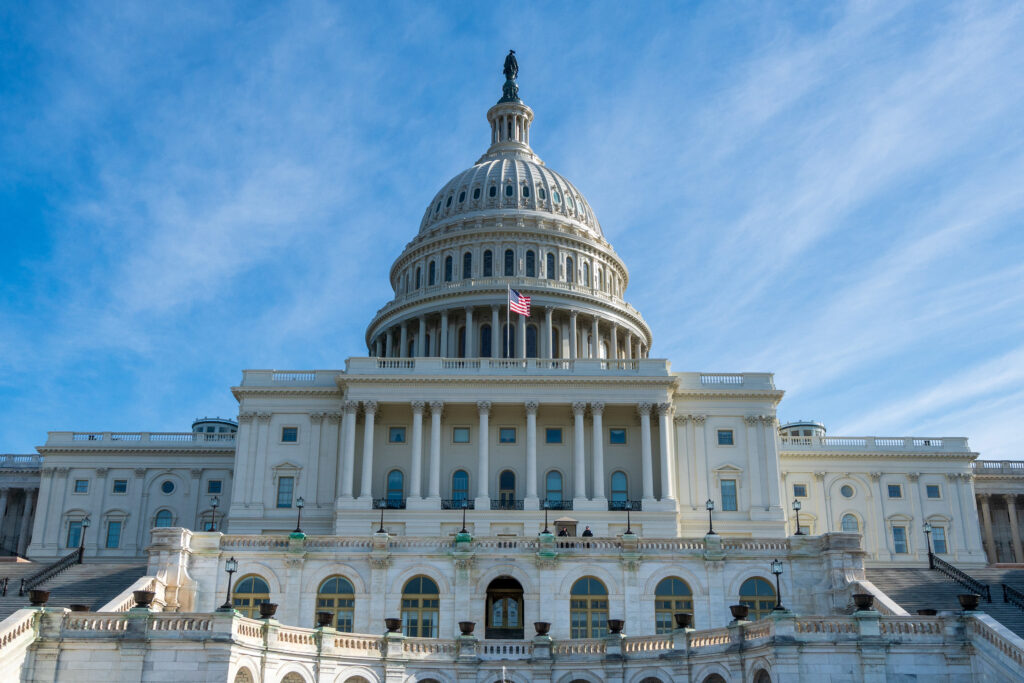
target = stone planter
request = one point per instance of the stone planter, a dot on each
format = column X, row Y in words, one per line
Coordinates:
column 466, row 627
column 143, row 598
column 393, row 625
column 78, row 608
column 616, row 625
column 863, row 601
column 542, row 627
column 683, row 619
column 324, row 619
column 268, row 610
column 927, row 612
column 969, row 601
column 38, row 598
column 739, row 612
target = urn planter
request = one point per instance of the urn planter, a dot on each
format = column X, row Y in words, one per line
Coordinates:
column 542, row 627
column 969, row 601
column 863, row 601
column 38, row 598
column 739, row 612
column 143, row 598
column 683, row 619
column 466, row 627
column 324, row 619
column 78, row 608
column 393, row 625
column 268, row 610
column 616, row 625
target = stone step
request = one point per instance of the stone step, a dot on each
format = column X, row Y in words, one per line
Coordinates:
column 92, row 584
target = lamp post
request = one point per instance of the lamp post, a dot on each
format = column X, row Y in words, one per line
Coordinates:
column 381, row 529
column 231, row 566
column 710, row 505
column 214, row 502
column 796, row 506
column 300, row 503
column 465, row 504
column 81, row 543
column 629, row 524
column 928, row 540
column 777, row 570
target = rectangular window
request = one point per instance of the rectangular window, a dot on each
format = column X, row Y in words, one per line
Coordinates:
column 460, row 434
column 553, row 435
column 396, row 435
column 938, row 540
column 617, row 436
column 799, row 490
column 285, row 488
column 932, row 491
column 725, row 437
column 899, row 539
column 729, row 494
column 289, row 434
column 120, row 486
column 507, row 435
column 895, row 491
column 113, row 534
column 74, row 534
column 81, row 486
column 214, row 486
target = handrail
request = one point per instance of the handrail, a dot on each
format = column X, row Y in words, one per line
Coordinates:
column 4, row 581
column 1013, row 596
column 961, row 577
column 50, row 571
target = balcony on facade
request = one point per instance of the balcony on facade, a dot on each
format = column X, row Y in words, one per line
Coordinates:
column 999, row 467
column 874, row 444
column 21, row 462
column 130, row 440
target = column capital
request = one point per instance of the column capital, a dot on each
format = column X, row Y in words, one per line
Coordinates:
column 531, row 407
column 681, row 419
column 573, row 314
column 664, row 409
column 875, row 476
column 967, row 476
column 643, row 408
column 263, row 417
column 316, row 418
column 768, row 420
column 913, row 476
column 484, row 407
column 417, row 407
column 196, row 473
column 983, row 497
column 820, row 476
column 101, row 472
column 698, row 419
column 752, row 420
column 246, row 417
column 140, row 472
column 436, row 407
column 1011, row 499
column 370, row 407
column 334, row 417
column 597, row 407
column 579, row 407
column 350, row 407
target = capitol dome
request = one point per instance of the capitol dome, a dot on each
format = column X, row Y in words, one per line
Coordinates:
column 509, row 222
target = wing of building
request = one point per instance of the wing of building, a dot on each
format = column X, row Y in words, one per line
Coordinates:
column 479, row 466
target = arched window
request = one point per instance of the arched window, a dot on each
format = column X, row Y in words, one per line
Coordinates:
column 568, row 270
column 488, row 264
column 600, row 278
column 509, row 190
column 462, row 196
column 405, row 288
column 670, row 597
column 552, row 272
column 449, row 202
column 432, row 274
column 419, row 272
column 460, row 486
column 250, row 592
column 555, row 196
column 504, row 608
column 531, row 264
column 163, row 518
column 508, row 341
column 526, row 190
column 542, row 193
column 586, row 275
column 553, row 487
column 467, row 265
column 396, row 488
column 588, row 609
column 485, row 341
column 420, row 605
column 507, row 489
column 620, row 488
column 476, row 193
column 493, row 191
column 510, row 263
column 337, row 597
column 759, row 595
column 531, row 341
column 448, row 269
column 850, row 525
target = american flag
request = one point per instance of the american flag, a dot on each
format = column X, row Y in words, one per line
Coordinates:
column 518, row 303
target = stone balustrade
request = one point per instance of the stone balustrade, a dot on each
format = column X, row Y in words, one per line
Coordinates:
column 874, row 444
column 134, row 440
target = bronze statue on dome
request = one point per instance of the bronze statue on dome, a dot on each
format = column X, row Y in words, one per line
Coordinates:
column 510, row 91
column 511, row 69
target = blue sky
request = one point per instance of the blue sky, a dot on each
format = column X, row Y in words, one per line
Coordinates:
column 833, row 192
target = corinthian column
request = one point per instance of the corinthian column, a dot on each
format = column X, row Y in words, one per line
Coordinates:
column 531, row 502
column 664, row 444
column 366, row 485
column 644, row 409
column 416, row 454
column 435, row 449
column 579, row 474
column 596, row 412
column 1011, row 507
column 348, row 456
column 572, row 335
column 483, row 493
column 986, row 517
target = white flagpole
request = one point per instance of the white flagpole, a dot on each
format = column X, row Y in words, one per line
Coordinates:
column 508, row 321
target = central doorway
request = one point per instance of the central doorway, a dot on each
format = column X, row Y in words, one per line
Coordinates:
column 504, row 609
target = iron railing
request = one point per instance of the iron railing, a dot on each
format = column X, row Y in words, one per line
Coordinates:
column 506, row 503
column 458, row 504
column 556, row 505
column 1013, row 596
column 961, row 577
column 3, row 586
column 389, row 503
column 50, row 571
column 623, row 505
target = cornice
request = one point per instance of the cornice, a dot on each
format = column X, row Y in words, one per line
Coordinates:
column 569, row 382
column 285, row 392
column 939, row 455
column 775, row 395
column 135, row 450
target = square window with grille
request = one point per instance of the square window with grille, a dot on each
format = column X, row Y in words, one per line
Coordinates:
column 617, row 436
column 725, row 437
column 799, row 490
column 895, row 491
column 289, row 434
column 507, row 435
column 81, row 486
column 120, row 486
column 460, row 434
column 214, row 486
column 553, row 435
column 396, row 434
column 933, row 491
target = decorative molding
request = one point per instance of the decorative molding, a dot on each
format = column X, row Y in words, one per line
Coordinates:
column 579, row 407
column 140, row 472
column 484, row 407
column 752, row 420
column 417, row 407
column 875, row 476
column 531, row 407
column 913, row 476
column 644, row 408
column 681, row 419
column 63, row 471
column 664, row 409
column 334, row 417
column 316, row 418
column 820, row 476
column 349, row 407
column 196, row 473
column 597, row 407
column 101, row 472
column 768, row 420
column 698, row 419
column 380, row 562
column 264, row 417
column 465, row 564
column 370, row 407
column 246, row 417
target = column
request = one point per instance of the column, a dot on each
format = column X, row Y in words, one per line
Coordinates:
column 348, row 455
column 435, row 448
column 403, row 344
column 700, row 449
column 4, row 494
column 613, row 346
column 684, row 476
column 758, row 496
column 579, row 468
column 595, row 342
column 531, row 502
column 421, row 338
column 416, row 450
column 645, row 451
column 521, row 321
column 986, row 516
column 366, row 485
column 387, row 343
column 597, row 412
column 572, row 335
column 496, row 339
column 664, row 444
column 1011, row 507
column 260, row 468
column 629, row 344
column 770, row 462
column 549, row 351
column 470, row 349
column 444, row 334
column 483, row 492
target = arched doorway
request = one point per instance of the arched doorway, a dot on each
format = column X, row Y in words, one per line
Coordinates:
column 504, row 609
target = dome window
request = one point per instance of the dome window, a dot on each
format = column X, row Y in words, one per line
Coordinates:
column 556, row 197
column 551, row 271
column 448, row 269
column 462, row 196
column 510, row 263
column 488, row 264
column 509, row 190
column 438, row 207
column 542, row 193
column 568, row 202
column 476, row 193
column 493, row 191
column 449, row 202
column 467, row 266
column 526, row 190
column 531, row 264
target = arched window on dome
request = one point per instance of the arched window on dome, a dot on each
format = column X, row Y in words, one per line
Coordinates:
column 526, row 190
column 850, row 524
column 510, row 263
column 467, row 265
column 568, row 269
column 432, row 274
column 509, row 190
column 569, row 203
column 556, row 344
column 476, row 193
column 488, row 264
column 448, row 269
column 586, row 275
column 556, row 197
column 485, row 341
column 542, row 193
column 462, row 196
column 449, row 202
column 531, row 264
column 552, row 272
column 419, row 274
column 493, row 191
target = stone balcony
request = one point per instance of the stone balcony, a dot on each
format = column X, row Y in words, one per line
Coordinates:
column 136, row 440
column 1000, row 468
column 874, row 444
column 21, row 462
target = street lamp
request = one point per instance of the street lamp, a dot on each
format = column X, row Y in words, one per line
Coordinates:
column 777, row 570
column 710, row 505
column 300, row 503
column 231, row 566
column 545, row 517
column 629, row 507
column 214, row 502
column 81, row 543
column 796, row 506
column 381, row 529
column 928, row 540
column 465, row 504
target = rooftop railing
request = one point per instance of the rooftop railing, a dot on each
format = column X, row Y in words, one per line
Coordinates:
column 1015, row 467
column 21, row 461
column 135, row 439
column 905, row 444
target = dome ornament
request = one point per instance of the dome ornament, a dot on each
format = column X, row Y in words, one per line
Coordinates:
column 510, row 91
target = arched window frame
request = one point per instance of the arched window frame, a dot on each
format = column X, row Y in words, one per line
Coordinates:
column 588, row 608
column 432, row 274
column 167, row 514
column 448, row 263
column 569, row 276
column 856, row 523
column 552, row 270
column 251, row 591
column 394, row 487
column 671, row 596
column 460, row 486
column 467, row 265
column 554, row 483
column 758, row 594
column 421, row 602
column 488, row 264
column 510, row 263
column 337, row 596
column 531, row 263
column 419, row 275
column 619, row 486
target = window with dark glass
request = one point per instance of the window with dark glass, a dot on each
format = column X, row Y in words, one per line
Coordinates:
column 462, row 196
column 420, row 608
column 899, row 539
column 164, row 518
column 729, row 494
column 488, row 264
column 725, row 437
column 531, row 264
column 671, row 596
column 431, row 273
column 250, row 592
column 81, row 486
column 508, row 341
column 850, row 524
column 938, row 540
column 214, row 486
column 509, row 191
column 120, row 486
column 485, row 341
column 289, row 434
column 620, row 487
column 895, row 490
column 449, row 202
column 617, row 436
column 396, row 434
column 553, row 435
column 167, row 486
column 552, row 273
column 510, row 263
column 507, row 487
column 467, row 266
column 553, row 486
column 476, row 193
column 419, row 272
column 448, row 269
column 759, row 595
column 460, row 434
column 799, row 490
column 493, row 192
column 396, row 486
column 588, row 609
column 460, row 485
column 569, row 276
column 526, row 190
column 74, row 534
column 932, row 491
column 113, row 534
column 337, row 596
column 542, row 193
column 285, row 489
column 531, row 341
column 507, row 435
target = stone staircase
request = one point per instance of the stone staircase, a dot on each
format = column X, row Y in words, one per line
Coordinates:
column 915, row 589
column 87, row 584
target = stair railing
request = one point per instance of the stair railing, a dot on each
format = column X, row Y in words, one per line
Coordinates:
column 961, row 577
column 50, row 571
column 3, row 586
column 1013, row 596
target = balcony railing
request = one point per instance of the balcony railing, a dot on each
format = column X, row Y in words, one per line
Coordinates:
column 135, row 439
column 623, row 505
column 556, row 505
column 21, row 461
column 389, row 503
column 458, row 504
column 880, row 444
column 506, row 503
column 1015, row 467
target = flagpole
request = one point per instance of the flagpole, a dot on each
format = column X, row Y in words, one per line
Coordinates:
column 508, row 320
